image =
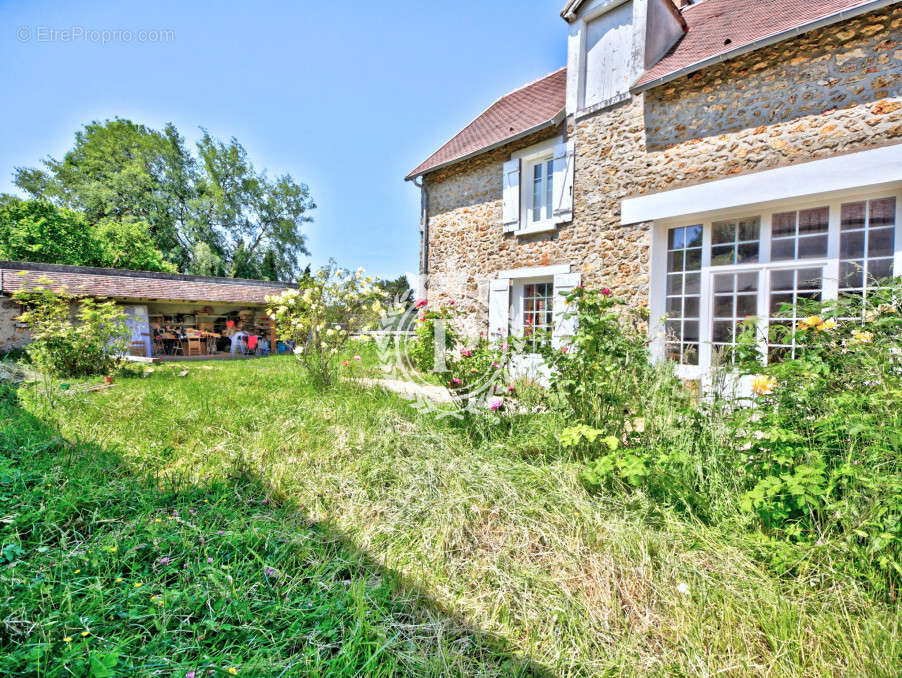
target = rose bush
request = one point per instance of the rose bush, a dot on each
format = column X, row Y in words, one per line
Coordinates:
column 319, row 316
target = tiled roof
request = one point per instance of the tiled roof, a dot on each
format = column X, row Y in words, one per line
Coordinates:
column 122, row 284
column 718, row 28
column 513, row 115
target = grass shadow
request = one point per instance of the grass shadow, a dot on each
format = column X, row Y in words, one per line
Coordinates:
column 110, row 572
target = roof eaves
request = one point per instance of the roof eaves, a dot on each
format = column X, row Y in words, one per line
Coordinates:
column 842, row 15
column 129, row 273
column 551, row 122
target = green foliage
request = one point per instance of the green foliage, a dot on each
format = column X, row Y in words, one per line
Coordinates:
column 600, row 372
column 128, row 244
column 814, row 467
column 36, row 231
column 320, row 314
column 251, row 224
column 89, row 343
column 31, row 230
column 431, row 321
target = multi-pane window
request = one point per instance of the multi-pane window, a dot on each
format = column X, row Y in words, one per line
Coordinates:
column 542, row 190
column 765, row 269
column 735, row 300
column 735, row 241
column 799, row 235
column 866, row 244
column 789, row 288
column 537, row 313
column 684, row 264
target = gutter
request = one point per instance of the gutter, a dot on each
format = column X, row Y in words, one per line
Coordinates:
column 424, row 237
column 553, row 122
column 842, row 15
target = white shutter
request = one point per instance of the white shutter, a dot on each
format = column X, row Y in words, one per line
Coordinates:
column 511, row 195
column 563, row 327
column 563, row 182
column 499, row 305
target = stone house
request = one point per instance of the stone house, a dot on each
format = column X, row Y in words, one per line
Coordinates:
column 710, row 160
column 150, row 300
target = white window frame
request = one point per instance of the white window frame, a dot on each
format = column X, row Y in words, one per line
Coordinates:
column 830, row 264
column 530, row 157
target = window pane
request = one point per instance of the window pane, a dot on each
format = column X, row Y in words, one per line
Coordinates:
column 782, row 280
column 851, row 274
column 813, row 247
column 813, row 221
column 882, row 212
column 722, row 255
column 746, row 305
column 783, row 249
column 723, row 283
column 675, row 283
column 880, row 242
column 549, row 187
column 879, row 269
column 693, row 283
column 851, row 244
column 723, row 306
column 690, row 354
column 853, row 214
column 723, row 232
column 694, row 236
column 537, row 192
column 673, row 329
column 809, row 278
column 749, row 229
column 691, row 307
column 783, row 224
column 676, row 238
column 675, row 261
column 672, row 351
column 690, row 330
column 747, row 282
column 778, row 300
column 722, row 331
column 674, row 306
column 747, row 253
column 693, row 260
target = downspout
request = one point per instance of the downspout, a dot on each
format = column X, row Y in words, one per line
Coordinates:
column 424, row 237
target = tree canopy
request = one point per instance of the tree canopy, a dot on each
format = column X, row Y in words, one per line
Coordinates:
column 33, row 230
column 207, row 212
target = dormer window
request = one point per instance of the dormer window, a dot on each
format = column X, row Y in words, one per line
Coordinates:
column 608, row 56
column 611, row 44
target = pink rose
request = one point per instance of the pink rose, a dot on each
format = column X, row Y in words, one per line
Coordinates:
column 421, row 303
column 496, row 404
column 357, row 358
column 456, row 382
column 606, row 291
column 564, row 349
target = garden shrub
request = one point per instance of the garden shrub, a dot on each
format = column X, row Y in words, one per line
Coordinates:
column 600, row 372
column 422, row 349
column 810, row 466
column 90, row 341
column 319, row 316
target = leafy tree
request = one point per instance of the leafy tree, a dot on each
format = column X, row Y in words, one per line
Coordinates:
column 128, row 244
column 32, row 230
column 38, row 231
column 250, row 224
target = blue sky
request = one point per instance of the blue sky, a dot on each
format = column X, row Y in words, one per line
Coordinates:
column 346, row 97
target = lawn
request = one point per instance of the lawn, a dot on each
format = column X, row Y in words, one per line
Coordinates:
column 237, row 520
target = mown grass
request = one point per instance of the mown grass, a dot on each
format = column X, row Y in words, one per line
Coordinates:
column 400, row 544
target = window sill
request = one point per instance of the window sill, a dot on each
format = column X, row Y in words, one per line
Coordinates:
column 541, row 227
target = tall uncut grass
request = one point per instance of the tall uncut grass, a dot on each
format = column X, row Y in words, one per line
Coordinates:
column 352, row 535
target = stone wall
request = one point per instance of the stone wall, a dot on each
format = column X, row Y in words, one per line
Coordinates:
column 834, row 90
column 12, row 334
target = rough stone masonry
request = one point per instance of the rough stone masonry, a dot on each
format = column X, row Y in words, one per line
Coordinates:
column 834, row 90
